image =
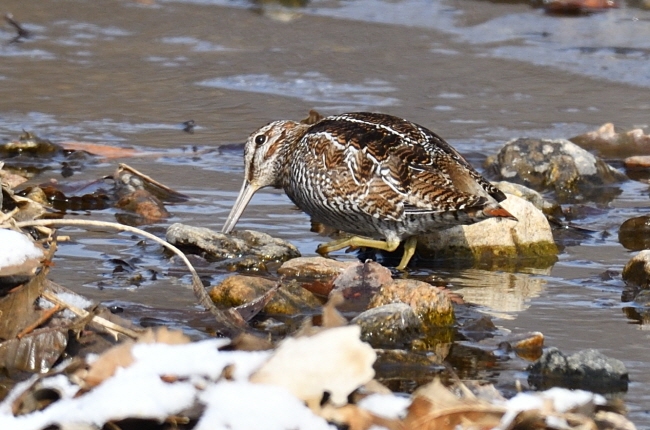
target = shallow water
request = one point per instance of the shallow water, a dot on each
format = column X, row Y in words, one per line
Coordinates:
column 478, row 73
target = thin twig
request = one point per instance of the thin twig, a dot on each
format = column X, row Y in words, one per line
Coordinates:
column 111, row 326
column 4, row 217
column 41, row 320
column 229, row 318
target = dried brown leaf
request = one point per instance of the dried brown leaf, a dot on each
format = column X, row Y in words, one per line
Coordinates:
column 128, row 179
column 435, row 407
column 17, row 309
column 34, row 352
column 332, row 317
column 107, row 363
column 28, row 209
column 355, row 418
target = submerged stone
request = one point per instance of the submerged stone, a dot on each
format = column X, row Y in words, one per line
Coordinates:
column 634, row 233
column 290, row 299
column 588, row 370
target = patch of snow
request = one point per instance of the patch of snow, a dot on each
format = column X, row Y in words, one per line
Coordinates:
column 197, row 358
column 244, row 405
column 386, row 405
column 16, row 248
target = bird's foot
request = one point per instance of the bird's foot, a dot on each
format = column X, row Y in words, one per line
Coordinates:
column 361, row 242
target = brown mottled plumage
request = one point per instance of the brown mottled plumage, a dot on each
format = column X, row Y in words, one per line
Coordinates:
column 376, row 176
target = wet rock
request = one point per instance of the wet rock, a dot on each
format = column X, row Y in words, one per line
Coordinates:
column 402, row 370
column 636, row 272
column 588, row 369
column 30, row 155
column 637, row 162
column 526, row 345
column 576, row 7
column 638, row 306
column 368, row 276
column 607, row 142
column 555, row 164
column 528, row 194
column 634, row 233
column 12, row 180
column 530, row 237
column 145, row 208
column 637, row 167
column 642, row 299
column 389, row 326
column 313, row 267
column 241, row 244
column 290, row 299
column 477, row 329
column 431, row 304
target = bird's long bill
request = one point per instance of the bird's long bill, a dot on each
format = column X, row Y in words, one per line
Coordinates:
column 245, row 194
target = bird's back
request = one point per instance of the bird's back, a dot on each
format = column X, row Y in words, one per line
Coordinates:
column 363, row 172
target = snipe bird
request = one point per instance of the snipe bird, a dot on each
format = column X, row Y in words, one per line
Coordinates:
column 379, row 177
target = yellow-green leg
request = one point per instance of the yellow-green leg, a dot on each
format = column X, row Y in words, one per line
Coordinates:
column 409, row 250
column 361, row 242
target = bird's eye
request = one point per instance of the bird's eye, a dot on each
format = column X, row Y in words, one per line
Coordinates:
column 260, row 139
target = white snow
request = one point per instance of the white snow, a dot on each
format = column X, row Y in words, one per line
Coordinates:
column 386, row 405
column 138, row 390
column 244, row 405
column 563, row 400
column 16, row 248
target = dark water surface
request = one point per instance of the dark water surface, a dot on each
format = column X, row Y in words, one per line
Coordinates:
column 478, row 73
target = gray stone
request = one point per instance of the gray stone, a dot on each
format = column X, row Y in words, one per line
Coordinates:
column 389, row 326
column 241, row 244
column 588, row 369
column 554, row 164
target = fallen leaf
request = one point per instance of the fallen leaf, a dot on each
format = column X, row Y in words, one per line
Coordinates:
column 434, row 407
column 333, row 361
column 17, row 309
column 35, row 352
column 332, row 317
column 355, row 418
